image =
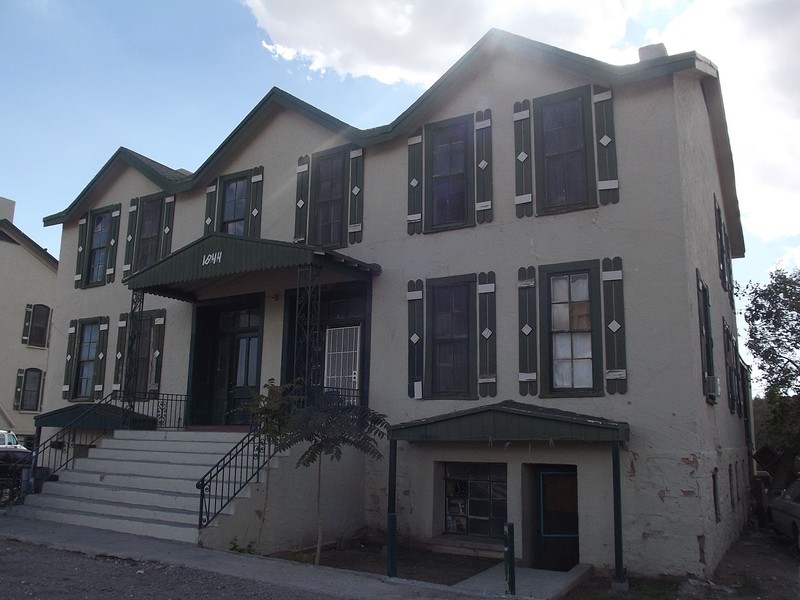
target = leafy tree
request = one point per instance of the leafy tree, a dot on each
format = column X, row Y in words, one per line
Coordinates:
column 773, row 337
column 327, row 423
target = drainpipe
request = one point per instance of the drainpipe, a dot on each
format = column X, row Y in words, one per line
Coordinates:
column 620, row 582
column 391, row 517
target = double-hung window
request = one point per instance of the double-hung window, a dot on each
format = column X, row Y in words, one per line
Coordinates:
column 570, row 329
column 565, row 171
column 328, row 218
column 233, row 206
column 97, row 244
column 449, row 190
column 451, row 352
column 233, row 203
column 150, row 221
column 86, row 353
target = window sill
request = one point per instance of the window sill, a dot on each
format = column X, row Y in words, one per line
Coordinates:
column 573, row 394
column 545, row 212
column 452, row 398
column 438, row 228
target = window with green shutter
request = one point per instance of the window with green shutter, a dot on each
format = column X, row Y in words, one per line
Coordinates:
column 36, row 327
column 84, row 371
column 28, row 392
column 574, row 148
column 150, row 223
column 98, row 233
column 233, row 203
column 570, row 329
column 149, row 354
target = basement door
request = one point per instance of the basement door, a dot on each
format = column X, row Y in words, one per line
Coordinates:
column 555, row 535
column 342, row 349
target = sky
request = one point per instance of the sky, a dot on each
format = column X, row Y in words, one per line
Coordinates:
column 171, row 79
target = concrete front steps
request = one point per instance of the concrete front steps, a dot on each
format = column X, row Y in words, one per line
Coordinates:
column 140, row 482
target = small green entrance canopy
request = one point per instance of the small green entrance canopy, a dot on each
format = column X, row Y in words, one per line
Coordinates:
column 511, row 421
column 219, row 255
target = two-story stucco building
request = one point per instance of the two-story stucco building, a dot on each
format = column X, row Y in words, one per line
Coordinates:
column 28, row 273
column 528, row 272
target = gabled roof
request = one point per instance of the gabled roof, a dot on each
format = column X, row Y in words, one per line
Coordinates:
column 161, row 175
column 511, row 421
column 16, row 235
column 487, row 48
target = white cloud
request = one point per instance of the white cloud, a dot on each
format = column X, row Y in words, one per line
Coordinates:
column 751, row 41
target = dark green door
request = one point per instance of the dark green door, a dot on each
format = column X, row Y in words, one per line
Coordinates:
column 556, row 535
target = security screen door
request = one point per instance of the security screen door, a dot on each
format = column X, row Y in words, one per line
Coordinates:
column 342, row 347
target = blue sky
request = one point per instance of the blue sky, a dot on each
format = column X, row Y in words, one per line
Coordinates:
column 171, row 78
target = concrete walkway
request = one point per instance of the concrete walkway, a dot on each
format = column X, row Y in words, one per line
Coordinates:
column 336, row 583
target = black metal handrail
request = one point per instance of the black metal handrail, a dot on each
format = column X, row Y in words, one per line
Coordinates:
column 115, row 411
column 243, row 463
column 226, row 479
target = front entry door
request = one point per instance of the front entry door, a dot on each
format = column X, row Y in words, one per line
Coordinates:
column 235, row 377
column 556, row 525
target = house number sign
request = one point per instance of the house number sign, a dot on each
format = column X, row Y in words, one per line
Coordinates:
column 212, row 258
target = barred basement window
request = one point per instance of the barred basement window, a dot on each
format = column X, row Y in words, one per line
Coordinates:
column 475, row 498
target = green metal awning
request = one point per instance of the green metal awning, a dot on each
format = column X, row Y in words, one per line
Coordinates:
column 217, row 255
column 103, row 417
column 511, row 421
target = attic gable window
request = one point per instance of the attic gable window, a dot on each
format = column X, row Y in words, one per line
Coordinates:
column 150, row 222
column 97, row 247
column 233, row 203
column 449, row 190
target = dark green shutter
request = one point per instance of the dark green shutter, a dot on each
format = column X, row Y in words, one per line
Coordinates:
column 526, row 292
column 130, row 239
column 119, row 362
column 415, row 184
column 730, row 375
column 523, row 161
column 26, row 324
column 71, row 360
column 483, row 166
column 416, row 342
column 605, row 146
column 169, row 220
column 614, row 323
column 18, row 389
column 253, row 216
column 487, row 335
column 301, row 200
column 113, row 242
column 211, row 208
column 159, row 326
column 720, row 244
column 80, row 260
column 356, row 213
column 100, row 359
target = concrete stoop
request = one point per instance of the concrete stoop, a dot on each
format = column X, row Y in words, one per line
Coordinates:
column 140, row 482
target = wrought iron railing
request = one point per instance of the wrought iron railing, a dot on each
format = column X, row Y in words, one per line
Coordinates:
column 226, row 479
column 243, row 463
column 59, row 451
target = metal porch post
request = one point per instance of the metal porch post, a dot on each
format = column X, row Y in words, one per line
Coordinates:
column 391, row 517
column 306, row 337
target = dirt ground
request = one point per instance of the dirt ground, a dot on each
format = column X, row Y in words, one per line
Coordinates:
column 758, row 567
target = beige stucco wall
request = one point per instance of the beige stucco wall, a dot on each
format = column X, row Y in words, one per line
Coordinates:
column 662, row 228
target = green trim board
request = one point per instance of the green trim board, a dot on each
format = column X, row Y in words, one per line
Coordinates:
column 511, row 421
column 218, row 255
